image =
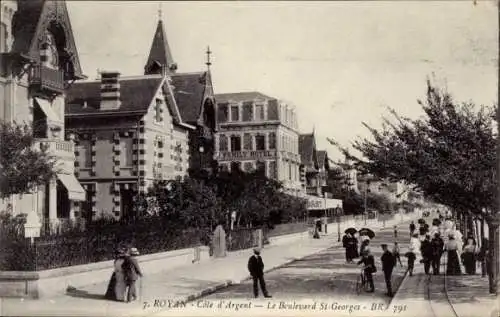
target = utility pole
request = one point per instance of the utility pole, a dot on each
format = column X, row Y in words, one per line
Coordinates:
column 496, row 220
column 366, row 191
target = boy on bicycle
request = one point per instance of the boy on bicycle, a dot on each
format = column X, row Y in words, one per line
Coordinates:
column 369, row 268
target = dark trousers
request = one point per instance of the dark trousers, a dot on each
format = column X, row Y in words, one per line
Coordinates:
column 387, row 277
column 483, row 268
column 259, row 279
column 427, row 265
column 132, row 291
column 411, row 263
column 436, row 264
column 369, row 280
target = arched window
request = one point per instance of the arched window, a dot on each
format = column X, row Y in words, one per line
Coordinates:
column 223, row 143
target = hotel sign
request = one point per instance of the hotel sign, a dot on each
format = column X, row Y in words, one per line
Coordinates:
column 319, row 203
column 246, row 155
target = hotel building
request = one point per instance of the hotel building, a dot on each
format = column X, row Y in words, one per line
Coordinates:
column 256, row 131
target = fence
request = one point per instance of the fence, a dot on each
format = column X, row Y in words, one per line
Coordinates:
column 98, row 243
column 244, row 238
column 287, row 228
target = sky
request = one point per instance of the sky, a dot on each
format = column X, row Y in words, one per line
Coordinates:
column 338, row 63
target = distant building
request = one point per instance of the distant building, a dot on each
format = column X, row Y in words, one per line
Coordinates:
column 314, row 173
column 132, row 131
column 38, row 61
column 256, row 131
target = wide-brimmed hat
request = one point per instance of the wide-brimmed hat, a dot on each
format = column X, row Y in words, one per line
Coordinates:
column 134, row 251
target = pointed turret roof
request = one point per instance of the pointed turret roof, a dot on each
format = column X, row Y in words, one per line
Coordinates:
column 160, row 56
column 32, row 19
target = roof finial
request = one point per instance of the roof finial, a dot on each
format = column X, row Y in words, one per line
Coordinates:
column 160, row 12
column 209, row 52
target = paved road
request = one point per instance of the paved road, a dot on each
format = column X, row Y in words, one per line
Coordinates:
column 325, row 276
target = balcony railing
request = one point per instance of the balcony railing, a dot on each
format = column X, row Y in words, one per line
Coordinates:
column 47, row 79
column 58, row 148
column 312, row 190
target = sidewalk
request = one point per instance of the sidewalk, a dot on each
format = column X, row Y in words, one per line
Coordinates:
column 444, row 296
column 164, row 290
column 470, row 297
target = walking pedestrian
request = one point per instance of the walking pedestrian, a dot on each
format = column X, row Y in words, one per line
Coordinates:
column 427, row 253
column 469, row 256
column 412, row 228
column 116, row 286
column 364, row 244
column 412, row 253
column 395, row 232
column 388, row 263
column 453, row 265
column 437, row 251
column 369, row 268
column 256, row 269
column 132, row 273
column 396, row 253
column 350, row 244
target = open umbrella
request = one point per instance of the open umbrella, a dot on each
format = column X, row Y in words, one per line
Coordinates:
column 367, row 232
column 436, row 222
column 350, row 230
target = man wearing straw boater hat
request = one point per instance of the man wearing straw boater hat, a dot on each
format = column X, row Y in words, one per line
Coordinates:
column 132, row 273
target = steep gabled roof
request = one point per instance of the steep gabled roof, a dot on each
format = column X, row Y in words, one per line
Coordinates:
column 307, row 150
column 136, row 94
column 240, row 96
column 160, row 53
column 190, row 91
column 31, row 20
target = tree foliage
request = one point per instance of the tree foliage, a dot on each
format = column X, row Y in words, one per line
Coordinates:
column 205, row 202
column 22, row 166
column 449, row 154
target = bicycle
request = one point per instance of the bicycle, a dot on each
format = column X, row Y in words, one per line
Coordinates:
column 361, row 282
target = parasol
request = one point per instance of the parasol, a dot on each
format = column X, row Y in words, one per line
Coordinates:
column 350, row 230
column 367, row 232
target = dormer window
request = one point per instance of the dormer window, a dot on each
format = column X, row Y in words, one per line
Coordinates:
column 158, row 110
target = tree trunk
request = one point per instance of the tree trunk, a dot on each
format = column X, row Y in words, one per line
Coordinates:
column 493, row 257
column 482, row 230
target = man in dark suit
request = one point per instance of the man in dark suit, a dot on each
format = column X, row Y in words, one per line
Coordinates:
column 132, row 273
column 256, row 269
column 388, row 264
column 427, row 253
column 437, row 251
column 369, row 268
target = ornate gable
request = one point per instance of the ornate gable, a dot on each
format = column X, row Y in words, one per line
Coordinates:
column 34, row 20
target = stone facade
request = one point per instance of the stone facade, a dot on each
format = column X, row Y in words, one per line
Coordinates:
column 38, row 61
column 256, row 131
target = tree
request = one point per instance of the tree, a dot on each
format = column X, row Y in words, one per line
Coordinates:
column 449, row 154
column 22, row 166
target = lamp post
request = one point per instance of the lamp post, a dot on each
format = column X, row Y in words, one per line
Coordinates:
column 366, row 191
column 337, row 210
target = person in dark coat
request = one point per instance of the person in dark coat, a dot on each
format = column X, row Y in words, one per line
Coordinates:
column 256, row 269
column 116, row 287
column 437, row 251
column 388, row 264
column 426, row 250
column 412, row 228
column 369, row 268
column 132, row 273
column 350, row 244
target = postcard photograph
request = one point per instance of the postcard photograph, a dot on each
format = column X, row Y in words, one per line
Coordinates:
column 249, row 158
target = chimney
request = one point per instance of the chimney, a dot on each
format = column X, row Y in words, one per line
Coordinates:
column 110, row 90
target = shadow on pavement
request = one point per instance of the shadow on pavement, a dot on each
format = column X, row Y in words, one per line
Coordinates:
column 73, row 292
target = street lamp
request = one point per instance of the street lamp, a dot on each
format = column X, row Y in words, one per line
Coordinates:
column 337, row 211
